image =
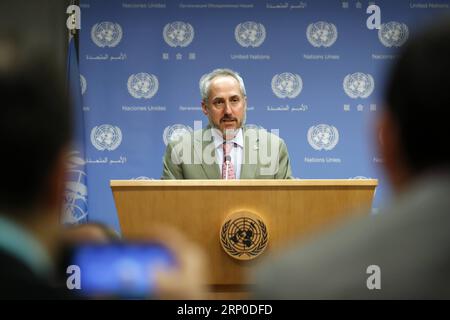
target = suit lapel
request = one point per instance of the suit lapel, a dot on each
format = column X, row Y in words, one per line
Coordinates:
column 248, row 171
column 212, row 171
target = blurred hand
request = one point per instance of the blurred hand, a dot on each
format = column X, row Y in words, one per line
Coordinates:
column 188, row 280
column 89, row 232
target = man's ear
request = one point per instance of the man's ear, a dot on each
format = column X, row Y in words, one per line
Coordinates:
column 204, row 108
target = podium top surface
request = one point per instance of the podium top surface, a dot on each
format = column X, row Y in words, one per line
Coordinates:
column 247, row 183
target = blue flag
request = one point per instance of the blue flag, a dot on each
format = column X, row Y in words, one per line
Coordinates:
column 76, row 195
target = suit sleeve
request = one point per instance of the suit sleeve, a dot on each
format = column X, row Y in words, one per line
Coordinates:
column 284, row 168
column 171, row 170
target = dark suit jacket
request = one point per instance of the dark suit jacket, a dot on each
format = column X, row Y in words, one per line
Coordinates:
column 18, row 281
column 409, row 242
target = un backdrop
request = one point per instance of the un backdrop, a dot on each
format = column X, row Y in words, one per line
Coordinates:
column 312, row 69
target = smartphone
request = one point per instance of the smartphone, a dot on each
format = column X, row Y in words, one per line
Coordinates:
column 120, row 270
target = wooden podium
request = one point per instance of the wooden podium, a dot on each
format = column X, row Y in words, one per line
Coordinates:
column 290, row 209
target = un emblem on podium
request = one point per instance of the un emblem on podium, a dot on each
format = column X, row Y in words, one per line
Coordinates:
column 244, row 235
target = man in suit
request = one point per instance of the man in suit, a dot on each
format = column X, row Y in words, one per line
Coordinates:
column 226, row 149
column 403, row 251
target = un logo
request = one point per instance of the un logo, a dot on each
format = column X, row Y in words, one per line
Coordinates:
column 244, row 235
column 321, row 34
column 250, row 34
column 142, row 85
column 178, row 34
column 83, row 84
column 106, row 137
column 175, row 132
column 393, row 34
column 323, row 137
column 287, row 85
column 75, row 195
column 106, row 34
column 358, row 85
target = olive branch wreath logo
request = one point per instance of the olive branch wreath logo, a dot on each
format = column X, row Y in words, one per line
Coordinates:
column 232, row 251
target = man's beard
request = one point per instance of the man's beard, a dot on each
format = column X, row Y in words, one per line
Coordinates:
column 213, row 125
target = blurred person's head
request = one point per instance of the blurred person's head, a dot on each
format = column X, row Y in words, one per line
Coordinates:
column 414, row 127
column 35, row 129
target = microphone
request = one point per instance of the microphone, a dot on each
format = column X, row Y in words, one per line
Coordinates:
column 227, row 159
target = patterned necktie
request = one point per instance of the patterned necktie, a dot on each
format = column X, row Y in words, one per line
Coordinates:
column 227, row 166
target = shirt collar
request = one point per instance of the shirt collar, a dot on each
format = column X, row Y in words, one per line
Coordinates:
column 23, row 246
column 218, row 138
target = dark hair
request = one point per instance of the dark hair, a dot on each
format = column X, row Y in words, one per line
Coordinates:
column 418, row 97
column 35, row 124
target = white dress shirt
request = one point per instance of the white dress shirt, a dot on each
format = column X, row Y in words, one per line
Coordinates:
column 236, row 152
